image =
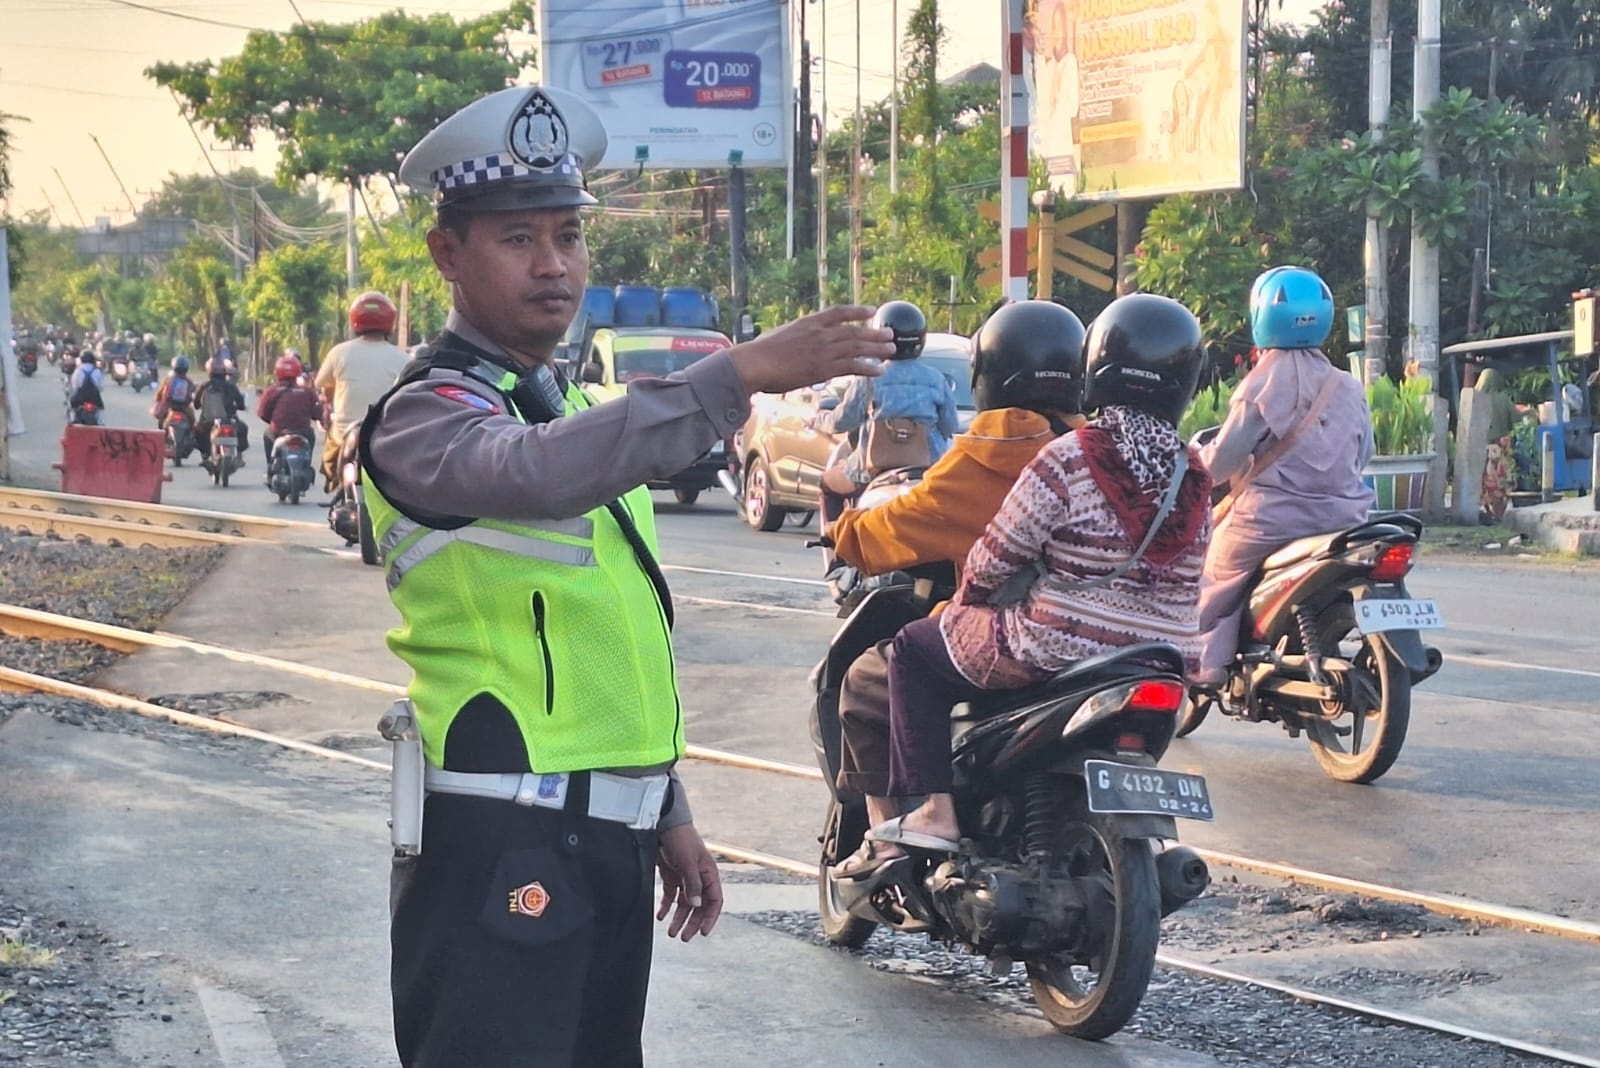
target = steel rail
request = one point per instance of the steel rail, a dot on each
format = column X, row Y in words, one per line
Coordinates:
column 114, row 532
column 21, row 622
column 162, row 515
column 22, row 681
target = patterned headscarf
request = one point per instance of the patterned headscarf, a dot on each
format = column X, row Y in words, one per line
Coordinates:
column 1148, row 444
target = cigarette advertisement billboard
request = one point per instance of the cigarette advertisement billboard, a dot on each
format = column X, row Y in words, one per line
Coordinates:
column 1137, row 98
column 678, row 83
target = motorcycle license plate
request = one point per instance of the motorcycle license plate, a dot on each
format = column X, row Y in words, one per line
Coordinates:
column 1376, row 614
column 1126, row 788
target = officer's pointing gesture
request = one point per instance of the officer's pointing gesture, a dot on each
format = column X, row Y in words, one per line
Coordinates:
column 814, row 348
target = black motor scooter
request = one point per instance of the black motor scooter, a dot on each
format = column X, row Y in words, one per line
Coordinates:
column 1070, row 858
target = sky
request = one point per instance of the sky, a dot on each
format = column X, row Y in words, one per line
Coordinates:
column 74, row 69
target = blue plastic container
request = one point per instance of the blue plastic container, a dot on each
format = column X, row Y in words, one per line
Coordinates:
column 688, row 306
column 599, row 306
column 638, row 306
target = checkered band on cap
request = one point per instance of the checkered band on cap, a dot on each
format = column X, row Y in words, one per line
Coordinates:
column 499, row 167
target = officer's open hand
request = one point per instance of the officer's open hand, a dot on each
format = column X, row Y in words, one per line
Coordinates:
column 813, row 349
column 690, row 882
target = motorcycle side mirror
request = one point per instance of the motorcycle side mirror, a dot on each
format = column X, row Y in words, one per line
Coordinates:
column 593, row 374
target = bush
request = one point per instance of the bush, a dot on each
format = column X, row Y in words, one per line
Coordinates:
column 1402, row 416
column 1209, row 408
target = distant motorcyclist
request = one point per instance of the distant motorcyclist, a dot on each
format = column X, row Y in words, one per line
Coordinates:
column 83, row 388
column 219, row 400
column 289, row 407
column 1311, row 485
column 355, row 373
column 911, row 401
column 176, row 395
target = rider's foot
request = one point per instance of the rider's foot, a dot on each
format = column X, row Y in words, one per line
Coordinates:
column 871, row 856
column 936, row 825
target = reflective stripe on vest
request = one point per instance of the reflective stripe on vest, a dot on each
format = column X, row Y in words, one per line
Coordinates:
column 581, row 527
column 530, row 545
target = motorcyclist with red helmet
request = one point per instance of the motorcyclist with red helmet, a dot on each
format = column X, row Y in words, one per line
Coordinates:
column 355, row 373
column 289, row 407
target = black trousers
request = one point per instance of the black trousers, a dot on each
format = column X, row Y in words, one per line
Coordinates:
column 521, row 938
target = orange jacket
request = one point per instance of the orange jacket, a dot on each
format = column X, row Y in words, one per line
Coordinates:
column 941, row 518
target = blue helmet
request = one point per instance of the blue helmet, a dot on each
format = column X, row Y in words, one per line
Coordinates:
column 1290, row 308
column 181, row 364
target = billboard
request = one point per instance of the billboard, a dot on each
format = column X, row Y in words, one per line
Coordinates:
column 1137, row 98
column 678, row 83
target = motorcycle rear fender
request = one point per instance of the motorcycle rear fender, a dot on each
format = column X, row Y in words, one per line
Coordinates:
column 1132, row 824
column 1406, row 646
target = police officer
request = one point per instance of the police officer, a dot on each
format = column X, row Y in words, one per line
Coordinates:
column 520, row 550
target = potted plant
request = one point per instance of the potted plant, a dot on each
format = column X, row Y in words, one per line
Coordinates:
column 1402, row 432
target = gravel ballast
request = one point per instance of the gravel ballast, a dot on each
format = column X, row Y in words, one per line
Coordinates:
column 1235, row 1023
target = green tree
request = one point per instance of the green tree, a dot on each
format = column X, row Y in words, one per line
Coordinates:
column 222, row 202
column 396, row 255
column 346, row 101
column 40, row 293
column 926, row 115
column 195, row 297
column 288, row 291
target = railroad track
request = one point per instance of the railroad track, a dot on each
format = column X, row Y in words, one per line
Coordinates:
column 23, row 622
column 103, row 518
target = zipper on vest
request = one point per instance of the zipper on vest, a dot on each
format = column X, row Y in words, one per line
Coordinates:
column 544, row 647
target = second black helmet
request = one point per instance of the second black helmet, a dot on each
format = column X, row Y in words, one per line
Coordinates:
column 1029, row 354
column 1145, row 352
column 910, row 327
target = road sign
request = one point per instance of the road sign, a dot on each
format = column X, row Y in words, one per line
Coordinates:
column 1583, row 311
column 1355, row 323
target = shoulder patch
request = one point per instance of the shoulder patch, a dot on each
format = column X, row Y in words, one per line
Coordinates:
column 467, row 397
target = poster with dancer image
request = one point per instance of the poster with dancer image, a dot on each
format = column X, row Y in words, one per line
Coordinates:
column 678, row 83
column 1137, row 98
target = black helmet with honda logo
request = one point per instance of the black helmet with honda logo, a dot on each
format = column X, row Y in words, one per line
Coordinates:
column 1029, row 354
column 1145, row 352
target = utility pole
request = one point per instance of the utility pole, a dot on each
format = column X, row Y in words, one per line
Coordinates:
column 1423, row 305
column 804, row 194
column 738, row 269
column 855, row 177
column 822, row 169
column 352, row 248
column 59, row 220
column 1013, row 158
column 1424, row 295
column 1376, row 251
column 114, row 174
column 894, row 100
column 70, row 199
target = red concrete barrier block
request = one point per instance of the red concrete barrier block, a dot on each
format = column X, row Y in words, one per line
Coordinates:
column 113, row 461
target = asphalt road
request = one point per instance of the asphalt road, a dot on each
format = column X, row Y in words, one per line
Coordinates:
column 1493, row 797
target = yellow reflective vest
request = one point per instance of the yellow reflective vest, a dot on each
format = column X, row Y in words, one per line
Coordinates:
column 555, row 619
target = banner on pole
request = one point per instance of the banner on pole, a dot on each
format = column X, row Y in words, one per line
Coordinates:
column 678, row 83
column 1137, row 98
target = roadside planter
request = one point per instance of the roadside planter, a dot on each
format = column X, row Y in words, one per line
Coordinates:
column 1399, row 482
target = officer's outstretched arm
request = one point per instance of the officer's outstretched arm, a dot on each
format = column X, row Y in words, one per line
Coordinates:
column 447, row 443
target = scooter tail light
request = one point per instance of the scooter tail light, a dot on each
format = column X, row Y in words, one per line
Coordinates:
column 1155, row 695
column 1130, row 743
column 1394, row 563
column 225, row 431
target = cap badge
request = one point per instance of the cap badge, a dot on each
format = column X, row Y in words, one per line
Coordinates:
column 538, row 133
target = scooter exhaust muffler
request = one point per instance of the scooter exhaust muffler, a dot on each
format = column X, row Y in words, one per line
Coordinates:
column 725, row 477
column 1182, row 875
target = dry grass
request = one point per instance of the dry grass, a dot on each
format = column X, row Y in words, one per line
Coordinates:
column 20, row 955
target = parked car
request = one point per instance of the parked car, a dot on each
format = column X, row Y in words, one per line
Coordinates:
column 620, row 355
column 779, row 456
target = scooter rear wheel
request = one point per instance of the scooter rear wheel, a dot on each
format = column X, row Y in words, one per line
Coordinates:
column 842, row 833
column 1094, row 1000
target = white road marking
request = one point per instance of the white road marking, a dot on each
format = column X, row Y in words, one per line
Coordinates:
column 742, row 574
column 238, row 1029
column 1489, row 661
column 715, row 603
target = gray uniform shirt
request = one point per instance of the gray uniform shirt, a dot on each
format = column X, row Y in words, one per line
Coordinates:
column 441, row 454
